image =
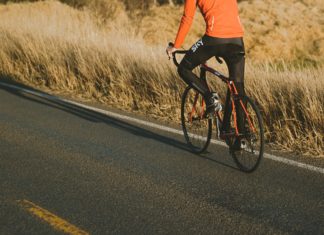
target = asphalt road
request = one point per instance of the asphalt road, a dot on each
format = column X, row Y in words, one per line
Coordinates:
column 107, row 176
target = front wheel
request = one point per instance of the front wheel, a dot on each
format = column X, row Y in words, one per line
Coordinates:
column 252, row 138
column 197, row 129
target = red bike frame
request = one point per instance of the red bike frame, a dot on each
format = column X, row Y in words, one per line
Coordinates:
column 234, row 95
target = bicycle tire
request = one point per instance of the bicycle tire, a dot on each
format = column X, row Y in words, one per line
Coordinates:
column 249, row 158
column 197, row 129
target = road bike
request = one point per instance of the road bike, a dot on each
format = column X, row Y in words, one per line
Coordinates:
column 197, row 126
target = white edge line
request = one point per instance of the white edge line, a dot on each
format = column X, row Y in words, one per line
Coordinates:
column 157, row 126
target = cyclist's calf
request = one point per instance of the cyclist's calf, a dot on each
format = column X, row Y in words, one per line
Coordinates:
column 192, row 80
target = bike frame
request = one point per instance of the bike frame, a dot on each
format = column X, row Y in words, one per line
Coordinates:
column 233, row 94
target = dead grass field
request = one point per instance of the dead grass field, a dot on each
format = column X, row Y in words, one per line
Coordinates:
column 95, row 56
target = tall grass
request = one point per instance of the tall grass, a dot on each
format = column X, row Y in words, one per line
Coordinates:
column 51, row 45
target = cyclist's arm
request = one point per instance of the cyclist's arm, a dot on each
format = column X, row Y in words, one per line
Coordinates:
column 186, row 21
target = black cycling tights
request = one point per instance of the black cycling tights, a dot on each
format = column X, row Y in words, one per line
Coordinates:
column 232, row 51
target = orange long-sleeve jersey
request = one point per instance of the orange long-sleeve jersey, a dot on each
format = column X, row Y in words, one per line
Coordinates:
column 221, row 17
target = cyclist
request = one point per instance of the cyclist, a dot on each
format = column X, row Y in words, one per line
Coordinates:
column 223, row 38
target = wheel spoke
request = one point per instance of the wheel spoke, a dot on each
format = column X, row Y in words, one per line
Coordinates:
column 248, row 158
column 196, row 128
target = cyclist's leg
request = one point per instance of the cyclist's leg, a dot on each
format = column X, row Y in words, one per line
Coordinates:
column 235, row 61
column 199, row 53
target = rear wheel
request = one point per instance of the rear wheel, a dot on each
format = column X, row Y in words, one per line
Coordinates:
column 252, row 138
column 197, row 129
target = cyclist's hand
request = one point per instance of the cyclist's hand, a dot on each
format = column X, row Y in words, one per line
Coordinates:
column 170, row 50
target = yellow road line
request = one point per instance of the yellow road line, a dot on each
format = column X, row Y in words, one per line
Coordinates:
column 55, row 221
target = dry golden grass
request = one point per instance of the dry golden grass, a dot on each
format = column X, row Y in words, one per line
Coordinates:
column 292, row 104
column 49, row 44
